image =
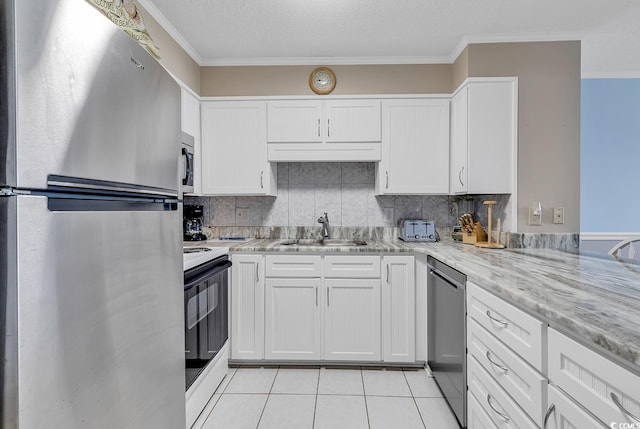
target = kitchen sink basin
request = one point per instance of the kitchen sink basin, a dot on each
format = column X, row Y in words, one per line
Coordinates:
column 322, row 243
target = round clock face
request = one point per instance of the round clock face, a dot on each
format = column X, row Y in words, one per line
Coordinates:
column 322, row 80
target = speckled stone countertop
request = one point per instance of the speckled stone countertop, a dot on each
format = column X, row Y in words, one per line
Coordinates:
column 595, row 300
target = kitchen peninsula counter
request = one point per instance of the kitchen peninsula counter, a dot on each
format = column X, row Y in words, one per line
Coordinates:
column 595, row 300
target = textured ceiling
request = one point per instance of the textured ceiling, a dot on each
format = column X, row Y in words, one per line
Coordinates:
column 227, row 32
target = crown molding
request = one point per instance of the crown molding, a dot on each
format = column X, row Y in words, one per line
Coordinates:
column 292, row 61
column 155, row 13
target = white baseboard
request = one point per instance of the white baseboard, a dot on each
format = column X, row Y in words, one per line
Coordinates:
column 607, row 236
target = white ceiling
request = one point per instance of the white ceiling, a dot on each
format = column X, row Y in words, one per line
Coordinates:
column 262, row 32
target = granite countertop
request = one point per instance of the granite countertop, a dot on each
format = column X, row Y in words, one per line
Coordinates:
column 596, row 300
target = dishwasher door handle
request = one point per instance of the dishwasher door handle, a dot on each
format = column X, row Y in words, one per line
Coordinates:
column 446, row 278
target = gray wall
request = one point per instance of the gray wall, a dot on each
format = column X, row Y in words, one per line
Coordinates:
column 548, row 124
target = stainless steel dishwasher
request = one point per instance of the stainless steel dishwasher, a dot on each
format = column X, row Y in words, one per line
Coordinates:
column 447, row 334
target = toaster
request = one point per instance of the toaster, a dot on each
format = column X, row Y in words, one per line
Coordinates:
column 418, row 230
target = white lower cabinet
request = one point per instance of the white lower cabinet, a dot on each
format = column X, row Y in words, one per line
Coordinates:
column 607, row 390
column 563, row 413
column 477, row 417
column 292, row 318
column 501, row 408
column 398, row 309
column 306, row 307
column 520, row 380
column 352, row 319
column 524, row 374
column 247, row 306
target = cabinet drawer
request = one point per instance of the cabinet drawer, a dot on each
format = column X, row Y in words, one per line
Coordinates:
column 567, row 414
column 350, row 266
column 293, row 266
column 477, row 418
column 592, row 379
column 502, row 409
column 521, row 332
column 523, row 383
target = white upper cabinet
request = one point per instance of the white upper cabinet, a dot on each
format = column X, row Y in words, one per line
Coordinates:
column 191, row 125
column 296, row 121
column 353, row 121
column 323, row 130
column 458, row 172
column 234, row 149
column 415, row 147
column 484, row 136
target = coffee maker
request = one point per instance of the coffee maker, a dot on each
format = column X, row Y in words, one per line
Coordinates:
column 192, row 223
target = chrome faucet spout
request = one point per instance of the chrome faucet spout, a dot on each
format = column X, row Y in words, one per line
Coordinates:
column 324, row 220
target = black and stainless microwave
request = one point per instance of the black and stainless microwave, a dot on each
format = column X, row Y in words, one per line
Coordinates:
column 187, row 163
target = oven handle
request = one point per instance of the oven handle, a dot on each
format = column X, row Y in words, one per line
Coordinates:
column 216, row 270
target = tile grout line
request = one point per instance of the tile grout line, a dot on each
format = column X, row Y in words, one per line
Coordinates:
column 414, row 398
column 364, row 392
column 315, row 405
column 268, row 395
column 214, row 393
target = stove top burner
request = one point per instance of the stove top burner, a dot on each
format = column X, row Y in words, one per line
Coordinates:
column 196, row 249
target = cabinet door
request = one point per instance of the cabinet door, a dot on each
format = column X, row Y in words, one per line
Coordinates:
column 247, row 307
column 352, row 121
column 415, row 147
column 565, row 414
column 292, row 319
column 296, row 121
column 398, row 309
column 352, row 319
column 191, row 125
column 606, row 389
column 492, row 135
column 234, row 149
column 458, row 166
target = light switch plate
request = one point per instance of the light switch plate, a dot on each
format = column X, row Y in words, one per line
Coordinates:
column 534, row 219
column 558, row 215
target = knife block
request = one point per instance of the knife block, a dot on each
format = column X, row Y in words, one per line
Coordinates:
column 476, row 235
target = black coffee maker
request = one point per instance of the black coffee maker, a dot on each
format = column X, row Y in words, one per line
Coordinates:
column 192, row 223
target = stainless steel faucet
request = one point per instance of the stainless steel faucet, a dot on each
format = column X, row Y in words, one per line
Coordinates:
column 325, row 225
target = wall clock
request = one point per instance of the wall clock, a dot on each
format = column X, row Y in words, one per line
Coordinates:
column 322, row 80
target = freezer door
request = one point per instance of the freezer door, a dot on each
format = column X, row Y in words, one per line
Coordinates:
column 100, row 318
column 91, row 103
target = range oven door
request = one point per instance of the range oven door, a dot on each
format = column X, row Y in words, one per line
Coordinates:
column 206, row 293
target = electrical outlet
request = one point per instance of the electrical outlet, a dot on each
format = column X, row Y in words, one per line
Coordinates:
column 241, row 213
column 558, row 215
column 535, row 216
column 387, row 214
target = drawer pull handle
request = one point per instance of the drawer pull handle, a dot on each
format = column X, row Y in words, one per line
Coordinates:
column 616, row 401
column 502, row 415
column 550, row 411
column 502, row 367
column 502, row 322
column 257, row 273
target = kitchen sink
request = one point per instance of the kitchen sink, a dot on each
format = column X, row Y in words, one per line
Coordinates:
column 322, row 243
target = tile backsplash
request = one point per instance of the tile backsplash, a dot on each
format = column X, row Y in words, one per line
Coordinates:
column 345, row 190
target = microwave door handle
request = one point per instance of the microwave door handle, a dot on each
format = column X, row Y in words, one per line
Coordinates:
column 215, row 271
column 188, row 170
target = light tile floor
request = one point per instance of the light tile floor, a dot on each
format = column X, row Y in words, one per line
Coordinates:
column 326, row 398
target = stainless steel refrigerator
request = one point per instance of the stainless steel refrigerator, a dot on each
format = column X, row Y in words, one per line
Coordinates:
column 91, row 290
